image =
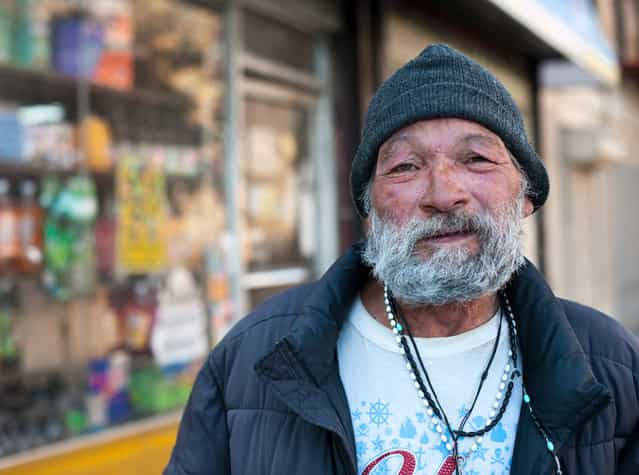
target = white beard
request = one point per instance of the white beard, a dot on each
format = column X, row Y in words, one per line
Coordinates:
column 450, row 274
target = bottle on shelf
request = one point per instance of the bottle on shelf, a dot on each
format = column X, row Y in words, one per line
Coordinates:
column 105, row 228
column 9, row 234
column 31, row 221
column 21, row 40
column 137, row 316
column 8, row 345
column 6, row 18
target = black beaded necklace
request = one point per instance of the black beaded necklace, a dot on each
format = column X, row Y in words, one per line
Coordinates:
column 433, row 408
column 429, row 397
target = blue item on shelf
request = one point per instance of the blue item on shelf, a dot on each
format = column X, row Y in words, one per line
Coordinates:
column 174, row 369
column 11, row 136
column 78, row 43
column 97, row 380
column 119, row 407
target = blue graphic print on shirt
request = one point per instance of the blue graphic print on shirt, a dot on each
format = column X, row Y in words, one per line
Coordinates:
column 378, row 413
column 407, row 430
column 376, row 434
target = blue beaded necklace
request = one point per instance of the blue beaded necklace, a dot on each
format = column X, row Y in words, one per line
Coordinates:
column 431, row 403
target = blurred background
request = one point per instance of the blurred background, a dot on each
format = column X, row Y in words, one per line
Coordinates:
column 167, row 164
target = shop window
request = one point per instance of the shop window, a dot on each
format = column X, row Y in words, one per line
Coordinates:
column 278, row 187
column 278, row 190
column 278, row 42
column 111, row 212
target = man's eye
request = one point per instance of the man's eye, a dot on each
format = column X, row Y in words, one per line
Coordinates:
column 403, row 167
column 477, row 159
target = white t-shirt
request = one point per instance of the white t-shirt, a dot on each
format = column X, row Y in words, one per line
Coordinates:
column 393, row 432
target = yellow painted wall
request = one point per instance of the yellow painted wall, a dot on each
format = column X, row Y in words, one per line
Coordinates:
column 140, row 454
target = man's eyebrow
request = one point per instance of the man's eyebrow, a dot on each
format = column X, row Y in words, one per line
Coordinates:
column 387, row 147
column 481, row 139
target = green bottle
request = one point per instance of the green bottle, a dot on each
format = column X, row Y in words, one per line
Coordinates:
column 22, row 38
column 8, row 347
column 6, row 22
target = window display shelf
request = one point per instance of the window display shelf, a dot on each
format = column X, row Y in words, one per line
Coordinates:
column 13, row 167
column 35, row 79
column 95, row 447
column 31, row 169
column 275, row 277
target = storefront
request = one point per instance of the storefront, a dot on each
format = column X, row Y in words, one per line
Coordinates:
column 163, row 168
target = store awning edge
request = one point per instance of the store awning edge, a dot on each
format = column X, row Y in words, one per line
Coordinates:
column 550, row 29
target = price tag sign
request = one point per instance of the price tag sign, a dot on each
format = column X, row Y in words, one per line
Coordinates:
column 179, row 334
column 142, row 216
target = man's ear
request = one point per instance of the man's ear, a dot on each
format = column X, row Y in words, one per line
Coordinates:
column 528, row 208
column 367, row 224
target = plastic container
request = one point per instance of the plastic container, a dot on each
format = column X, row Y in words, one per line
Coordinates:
column 153, row 392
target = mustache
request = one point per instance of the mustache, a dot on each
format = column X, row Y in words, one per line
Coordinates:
column 443, row 224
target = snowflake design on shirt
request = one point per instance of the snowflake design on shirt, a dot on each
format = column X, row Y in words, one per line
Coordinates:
column 379, row 413
column 378, row 444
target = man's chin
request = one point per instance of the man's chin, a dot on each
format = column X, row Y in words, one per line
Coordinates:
column 452, row 298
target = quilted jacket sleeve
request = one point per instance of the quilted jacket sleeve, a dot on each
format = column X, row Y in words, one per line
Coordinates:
column 202, row 445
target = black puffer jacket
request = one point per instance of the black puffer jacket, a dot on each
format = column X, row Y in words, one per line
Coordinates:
column 269, row 399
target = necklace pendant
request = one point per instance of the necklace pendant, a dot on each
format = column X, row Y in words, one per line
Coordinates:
column 452, row 465
column 461, row 460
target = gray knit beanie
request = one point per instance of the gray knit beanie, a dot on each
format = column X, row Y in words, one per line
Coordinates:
column 441, row 82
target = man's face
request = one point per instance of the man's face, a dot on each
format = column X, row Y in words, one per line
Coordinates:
column 447, row 203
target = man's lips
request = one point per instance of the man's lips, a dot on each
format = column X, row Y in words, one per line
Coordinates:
column 447, row 238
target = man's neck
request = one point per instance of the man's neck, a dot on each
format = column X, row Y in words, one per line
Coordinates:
column 432, row 320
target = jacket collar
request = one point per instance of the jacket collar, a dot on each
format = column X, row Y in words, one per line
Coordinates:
column 316, row 333
column 557, row 373
column 302, row 367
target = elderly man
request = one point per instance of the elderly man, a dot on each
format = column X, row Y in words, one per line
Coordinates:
column 434, row 347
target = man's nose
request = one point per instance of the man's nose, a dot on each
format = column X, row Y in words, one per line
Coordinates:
column 443, row 189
